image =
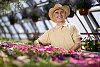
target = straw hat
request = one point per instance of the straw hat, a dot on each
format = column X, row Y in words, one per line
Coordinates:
column 57, row 6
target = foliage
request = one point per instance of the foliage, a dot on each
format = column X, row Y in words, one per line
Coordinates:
column 91, row 44
column 4, row 4
column 30, row 12
column 35, row 16
column 4, row 40
column 12, row 19
column 82, row 3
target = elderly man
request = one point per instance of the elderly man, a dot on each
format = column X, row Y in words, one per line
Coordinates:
column 63, row 35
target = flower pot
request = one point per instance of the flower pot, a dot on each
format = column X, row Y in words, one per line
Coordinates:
column 71, row 12
column 34, row 19
column 12, row 19
column 83, row 11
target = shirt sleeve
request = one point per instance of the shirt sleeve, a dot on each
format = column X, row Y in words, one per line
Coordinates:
column 76, row 35
column 44, row 39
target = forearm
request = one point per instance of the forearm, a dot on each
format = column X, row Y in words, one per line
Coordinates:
column 76, row 46
column 38, row 42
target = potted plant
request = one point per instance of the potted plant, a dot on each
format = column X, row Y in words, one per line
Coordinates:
column 35, row 15
column 12, row 18
column 32, row 13
column 5, row 4
column 24, row 13
column 47, row 7
column 90, row 44
column 82, row 5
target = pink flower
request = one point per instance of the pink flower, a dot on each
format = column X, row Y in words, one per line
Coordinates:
column 73, row 60
column 71, row 51
column 41, row 50
column 53, row 58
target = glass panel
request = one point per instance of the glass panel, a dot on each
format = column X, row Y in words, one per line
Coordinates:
column 96, row 16
column 43, row 0
column 38, row 1
column 6, row 30
column 30, row 26
column 27, row 27
column 1, row 23
column 76, row 21
column 41, row 26
column 8, row 35
column 5, row 19
column 2, row 35
column 49, row 24
column 53, row 23
column 23, row 36
column 19, row 28
column 12, row 29
column 20, row 31
column 0, row 32
column 92, row 23
column 15, row 36
column 84, row 22
column 24, row 4
column 18, row 15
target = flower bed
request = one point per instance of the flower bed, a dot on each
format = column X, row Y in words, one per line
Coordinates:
column 25, row 55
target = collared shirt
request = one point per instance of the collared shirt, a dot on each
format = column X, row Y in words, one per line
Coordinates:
column 65, row 36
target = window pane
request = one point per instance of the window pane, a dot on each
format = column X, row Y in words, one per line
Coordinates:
column 76, row 21
column 97, row 16
column 31, row 26
column 19, row 28
column 49, row 24
column 12, row 29
column 84, row 22
column 2, row 35
column 23, row 36
column 15, row 36
column 92, row 23
column 8, row 35
column 27, row 26
column 41, row 26
column 5, row 28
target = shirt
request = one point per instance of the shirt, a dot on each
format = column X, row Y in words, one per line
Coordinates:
column 65, row 36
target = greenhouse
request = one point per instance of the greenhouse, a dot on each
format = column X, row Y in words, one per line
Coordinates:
column 53, row 33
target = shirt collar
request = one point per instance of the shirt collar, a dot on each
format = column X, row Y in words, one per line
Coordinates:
column 65, row 24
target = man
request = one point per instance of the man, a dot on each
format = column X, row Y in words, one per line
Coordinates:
column 63, row 35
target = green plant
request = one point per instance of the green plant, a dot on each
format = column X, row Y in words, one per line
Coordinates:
column 91, row 44
column 5, row 4
column 82, row 3
column 12, row 19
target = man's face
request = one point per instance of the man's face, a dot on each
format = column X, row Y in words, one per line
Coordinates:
column 59, row 15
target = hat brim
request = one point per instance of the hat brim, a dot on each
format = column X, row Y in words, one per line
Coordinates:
column 65, row 8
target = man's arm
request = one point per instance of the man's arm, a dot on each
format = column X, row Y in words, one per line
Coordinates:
column 43, row 39
column 76, row 38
